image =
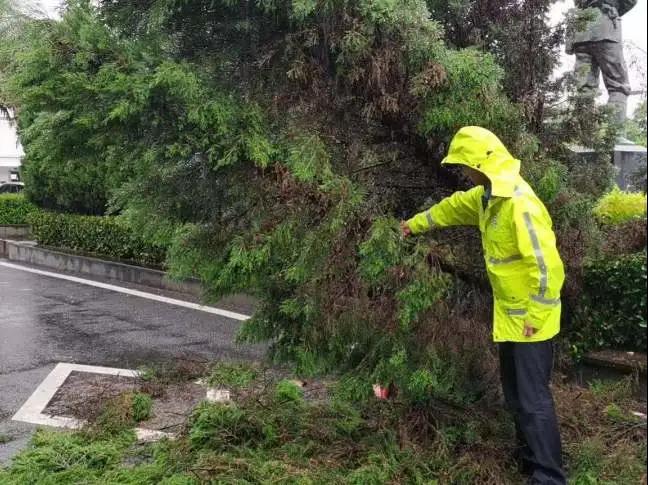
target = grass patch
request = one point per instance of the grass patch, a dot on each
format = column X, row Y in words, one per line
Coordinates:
column 119, row 414
column 142, row 405
column 67, row 458
column 158, row 377
column 275, row 432
column 232, row 375
column 604, row 443
column 5, row 438
column 180, row 370
column 611, row 390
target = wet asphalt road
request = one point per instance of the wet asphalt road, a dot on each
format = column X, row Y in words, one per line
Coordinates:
column 44, row 321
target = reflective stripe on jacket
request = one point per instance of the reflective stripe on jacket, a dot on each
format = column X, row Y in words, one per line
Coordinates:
column 523, row 264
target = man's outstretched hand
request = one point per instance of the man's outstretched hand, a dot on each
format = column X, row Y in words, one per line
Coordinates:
column 405, row 229
column 529, row 329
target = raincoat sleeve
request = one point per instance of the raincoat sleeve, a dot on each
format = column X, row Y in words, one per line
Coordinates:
column 460, row 209
column 537, row 245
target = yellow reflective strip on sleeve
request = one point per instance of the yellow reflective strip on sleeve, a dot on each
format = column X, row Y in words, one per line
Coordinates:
column 538, row 254
column 545, row 301
column 516, row 312
column 510, row 259
column 428, row 216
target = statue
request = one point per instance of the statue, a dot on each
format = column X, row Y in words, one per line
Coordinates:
column 598, row 48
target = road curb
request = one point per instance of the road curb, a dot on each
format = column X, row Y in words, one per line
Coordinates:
column 27, row 252
column 615, row 365
column 14, row 231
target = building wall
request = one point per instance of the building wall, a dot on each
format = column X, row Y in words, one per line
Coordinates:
column 10, row 150
column 7, row 166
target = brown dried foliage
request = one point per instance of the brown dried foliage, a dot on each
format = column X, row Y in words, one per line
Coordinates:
column 626, row 238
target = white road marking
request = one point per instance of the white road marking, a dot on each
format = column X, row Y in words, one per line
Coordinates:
column 128, row 291
column 32, row 410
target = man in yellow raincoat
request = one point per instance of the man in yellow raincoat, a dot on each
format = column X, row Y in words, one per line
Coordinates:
column 526, row 275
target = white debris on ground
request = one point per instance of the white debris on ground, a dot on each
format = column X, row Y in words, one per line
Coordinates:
column 218, row 395
column 151, row 435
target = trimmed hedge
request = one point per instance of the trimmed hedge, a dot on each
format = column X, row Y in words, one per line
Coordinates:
column 15, row 209
column 617, row 207
column 101, row 236
column 613, row 309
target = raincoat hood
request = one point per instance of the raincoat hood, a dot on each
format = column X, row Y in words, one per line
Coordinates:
column 480, row 149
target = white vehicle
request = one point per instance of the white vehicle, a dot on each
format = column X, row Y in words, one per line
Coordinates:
column 11, row 187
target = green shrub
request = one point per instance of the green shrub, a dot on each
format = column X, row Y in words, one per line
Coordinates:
column 120, row 414
column 101, row 236
column 232, row 375
column 221, row 426
column 547, row 177
column 618, row 206
column 66, row 458
column 288, row 391
column 142, row 406
column 382, row 250
column 613, row 309
column 470, row 95
column 15, row 209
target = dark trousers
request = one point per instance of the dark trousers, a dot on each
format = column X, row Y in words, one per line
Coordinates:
column 526, row 372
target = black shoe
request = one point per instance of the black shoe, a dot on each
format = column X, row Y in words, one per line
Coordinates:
column 524, row 466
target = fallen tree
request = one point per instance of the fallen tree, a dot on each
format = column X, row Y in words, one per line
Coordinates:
column 272, row 147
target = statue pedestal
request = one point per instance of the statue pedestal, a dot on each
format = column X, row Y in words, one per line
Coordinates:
column 630, row 162
column 628, row 158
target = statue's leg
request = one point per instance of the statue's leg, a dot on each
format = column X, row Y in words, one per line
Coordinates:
column 586, row 70
column 587, row 76
column 615, row 77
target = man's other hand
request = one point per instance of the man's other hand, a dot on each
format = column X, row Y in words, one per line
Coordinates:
column 529, row 329
column 405, row 229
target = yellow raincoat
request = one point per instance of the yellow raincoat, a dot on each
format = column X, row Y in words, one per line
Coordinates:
column 523, row 264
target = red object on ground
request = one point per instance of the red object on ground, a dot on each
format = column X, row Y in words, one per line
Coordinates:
column 380, row 392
